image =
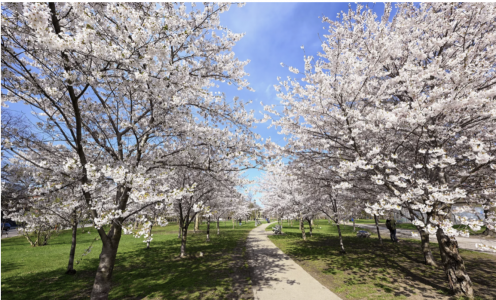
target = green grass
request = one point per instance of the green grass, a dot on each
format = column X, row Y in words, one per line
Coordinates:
column 155, row 273
column 371, row 271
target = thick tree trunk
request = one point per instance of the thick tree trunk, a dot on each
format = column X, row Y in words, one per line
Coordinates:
column 103, row 278
column 183, row 241
column 302, row 227
column 218, row 227
column 377, row 227
column 454, row 268
column 310, row 226
column 208, row 229
column 426, row 248
column 340, row 237
column 70, row 266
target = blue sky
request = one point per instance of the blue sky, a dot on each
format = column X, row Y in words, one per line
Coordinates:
column 274, row 33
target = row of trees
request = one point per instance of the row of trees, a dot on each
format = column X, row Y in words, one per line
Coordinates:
column 128, row 127
column 394, row 115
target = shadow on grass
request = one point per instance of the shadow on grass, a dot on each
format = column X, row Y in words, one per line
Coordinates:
column 392, row 269
column 155, row 273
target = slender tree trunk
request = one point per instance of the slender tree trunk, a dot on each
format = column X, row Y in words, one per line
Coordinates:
column 377, row 227
column 354, row 225
column 183, row 240
column 454, row 267
column 340, row 237
column 70, row 266
column 218, row 227
column 208, row 229
column 232, row 222
column 103, row 278
column 149, row 234
column 426, row 248
column 180, row 223
column 197, row 222
column 302, row 228
column 310, row 226
column 136, row 224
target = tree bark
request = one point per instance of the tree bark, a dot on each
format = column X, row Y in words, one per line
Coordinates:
column 302, row 227
column 218, row 226
column 454, row 267
column 70, row 266
column 103, row 278
column 354, row 225
column 426, row 248
column 149, row 234
column 183, row 240
column 340, row 238
column 208, row 229
column 180, row 223
column 197, row 222
column 378, row 232
column 310, row 226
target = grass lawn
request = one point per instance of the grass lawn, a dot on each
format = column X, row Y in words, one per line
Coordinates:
column 139, row 273
column 371, row 271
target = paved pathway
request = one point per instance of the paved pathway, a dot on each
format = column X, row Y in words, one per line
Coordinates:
column 276, row 276
column 463, row 243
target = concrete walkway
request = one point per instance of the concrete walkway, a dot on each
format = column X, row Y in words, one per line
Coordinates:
column 463, row 243
column 276, row 276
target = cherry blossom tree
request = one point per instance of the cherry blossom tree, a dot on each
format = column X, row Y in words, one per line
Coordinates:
column 121, row 90
column 403, row 110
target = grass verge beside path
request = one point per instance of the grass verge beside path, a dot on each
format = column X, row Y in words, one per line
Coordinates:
column 139, row 273
column 370, row 271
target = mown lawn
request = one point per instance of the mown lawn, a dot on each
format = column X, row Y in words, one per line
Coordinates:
column 140, row 273
column 371, row 271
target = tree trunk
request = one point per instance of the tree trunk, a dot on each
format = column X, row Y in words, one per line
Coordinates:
column 136, row 224
column 302, row 227
column 340, row 238
column 454, row 268
column 354, row 225
column 208, row 229
column 426, row 248
column 70, row 266
column 180, row 223
column 232, row 222
column 197, row 222
column 377, row 226
column 218, row 227
column 183, row 240
column 149, row 236
column 103, row 278
column 310, row 226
